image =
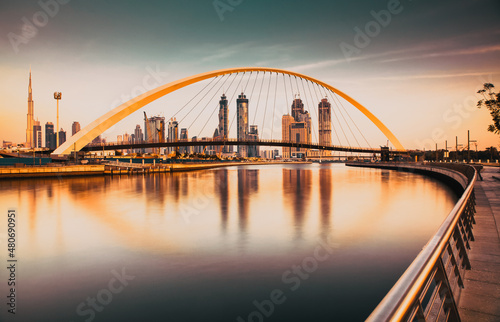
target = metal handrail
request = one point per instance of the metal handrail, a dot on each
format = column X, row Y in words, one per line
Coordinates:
column 404, row 300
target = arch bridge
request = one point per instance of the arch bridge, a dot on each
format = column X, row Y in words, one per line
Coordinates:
column 81, row 140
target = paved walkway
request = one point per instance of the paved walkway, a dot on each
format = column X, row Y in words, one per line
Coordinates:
column 480, row 299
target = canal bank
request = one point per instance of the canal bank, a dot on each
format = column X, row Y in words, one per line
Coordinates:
column 452, row 174
column 469, row 287
column 114, row 168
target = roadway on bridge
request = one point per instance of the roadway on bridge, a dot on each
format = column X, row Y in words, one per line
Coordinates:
column 480, row 299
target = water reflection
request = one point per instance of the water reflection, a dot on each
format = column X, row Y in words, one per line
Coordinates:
column 325, row 199
column 221, row 182
column 211, row 232
column 297, row 195
column 248, row 184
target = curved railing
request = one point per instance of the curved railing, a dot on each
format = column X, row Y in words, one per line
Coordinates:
column 429, row 290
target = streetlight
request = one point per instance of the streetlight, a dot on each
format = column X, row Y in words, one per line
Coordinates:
column 57, row 97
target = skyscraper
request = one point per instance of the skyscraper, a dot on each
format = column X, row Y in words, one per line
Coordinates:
column 30, row 117
column 37, row 134
column 138, row 134
column 297, row 108
column 62, row 136
column 75, row 127
column 223, row 120
column 173, row 133
column 325, row 125
column 253, row 134
column 296, row 128
column 50, row 136
column 138, row 137
column 242, row 122
column 184, row 137
column 286, row 121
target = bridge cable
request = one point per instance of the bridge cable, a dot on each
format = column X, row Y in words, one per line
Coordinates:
column 201, row 99
column 286, row 109
column 312, row 105
column 319, row 100
column 291, row 86
column 236, row 112
column 307, row 103
column 215, row 109
column 286, row 92
column 338, row 120
column 267, row 99
column 253, row 88
column 258, row 100
column 234, row 116
column 248, row 81
column 274, row 106
column 195, row 96
column 342, row 114
column 208, row 102
column 336, row 96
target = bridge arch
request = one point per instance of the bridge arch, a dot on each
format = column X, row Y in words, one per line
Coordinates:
column 91, row 131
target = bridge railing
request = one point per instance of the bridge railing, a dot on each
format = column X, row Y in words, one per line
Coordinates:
column 231, row 141
column 429, row 290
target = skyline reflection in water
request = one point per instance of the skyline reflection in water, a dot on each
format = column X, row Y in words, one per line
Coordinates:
column 204, row 245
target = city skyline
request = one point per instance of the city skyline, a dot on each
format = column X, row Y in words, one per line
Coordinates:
column 418, row 51
column 299, row 127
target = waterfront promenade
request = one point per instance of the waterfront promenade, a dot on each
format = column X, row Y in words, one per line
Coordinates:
column 480, row 299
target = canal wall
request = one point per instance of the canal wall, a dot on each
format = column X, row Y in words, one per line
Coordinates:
column 51, row 171
column 455, row 175
column 114, row 168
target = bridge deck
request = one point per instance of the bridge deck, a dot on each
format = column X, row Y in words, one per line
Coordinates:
column 480, row 299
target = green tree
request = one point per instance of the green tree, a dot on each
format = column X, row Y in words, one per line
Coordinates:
column 491, row 101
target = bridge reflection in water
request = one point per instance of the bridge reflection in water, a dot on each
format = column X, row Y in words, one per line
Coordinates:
column 205, row 245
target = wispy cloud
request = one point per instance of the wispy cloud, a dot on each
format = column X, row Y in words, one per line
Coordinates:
column 447, row 53
column 226, row 52
column 432, row 76
column 333, row 62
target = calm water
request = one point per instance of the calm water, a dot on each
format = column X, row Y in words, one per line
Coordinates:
column 249, row 243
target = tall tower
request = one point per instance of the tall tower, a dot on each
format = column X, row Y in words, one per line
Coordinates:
column 75, row 128
column 223, row 120
column 50, row 136
column 286, row 121
column 297, row 109
column 242, row 120
column 184, row 137
column 30, row 116
column 138, row 134
column 253, row 134
column 173, row 133
column 325, row 124
column 37, row 134
column 296, row 128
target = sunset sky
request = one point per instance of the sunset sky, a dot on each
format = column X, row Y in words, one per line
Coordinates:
column 418, row 72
